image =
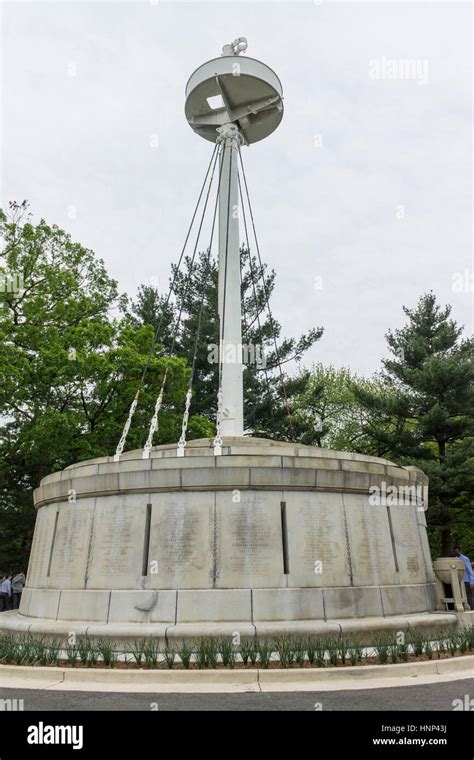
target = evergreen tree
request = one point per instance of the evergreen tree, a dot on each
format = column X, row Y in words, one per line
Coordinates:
column 427, row 415
column 269, row 392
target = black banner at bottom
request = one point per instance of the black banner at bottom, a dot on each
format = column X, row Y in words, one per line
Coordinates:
column 128, row 733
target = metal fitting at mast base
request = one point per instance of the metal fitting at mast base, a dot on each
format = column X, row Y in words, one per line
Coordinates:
column 230, row 132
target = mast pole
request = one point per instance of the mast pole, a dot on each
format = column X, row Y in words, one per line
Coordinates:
column 229, row 298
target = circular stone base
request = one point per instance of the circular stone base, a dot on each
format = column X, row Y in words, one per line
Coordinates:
column 267, row 534
column 125, row 635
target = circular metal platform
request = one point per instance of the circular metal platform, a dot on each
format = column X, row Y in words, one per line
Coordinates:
column 233, row 89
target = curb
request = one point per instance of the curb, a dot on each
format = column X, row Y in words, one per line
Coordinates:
column 367, row 676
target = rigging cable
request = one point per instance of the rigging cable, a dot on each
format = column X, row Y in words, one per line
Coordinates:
column 159, row 401
column 272, row 325
column 252, row 275
column 123, row 438
column 184, row 426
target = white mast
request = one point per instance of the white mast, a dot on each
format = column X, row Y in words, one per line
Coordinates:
column 250, row 107
column 230, row 317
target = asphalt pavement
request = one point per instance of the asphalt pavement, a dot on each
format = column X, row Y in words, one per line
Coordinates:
column 423, row 697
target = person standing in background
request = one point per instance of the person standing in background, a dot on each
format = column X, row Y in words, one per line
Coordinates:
column 18, row 584
column 5, row 593
column 468, row 575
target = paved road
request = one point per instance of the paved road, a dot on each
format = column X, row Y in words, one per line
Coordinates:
column 427, row 697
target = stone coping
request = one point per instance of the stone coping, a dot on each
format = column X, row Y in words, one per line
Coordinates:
column 260, row 465
column 127, row 633
column 245, row 445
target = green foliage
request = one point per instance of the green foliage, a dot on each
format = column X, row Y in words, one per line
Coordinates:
column 285, row 649
column 382, row 648
column 265, row 649
column 170, row 656
column 267, row 401
column 73, row 350
column 418, row 411
column 150, row 653
column 107, row 649
column 327, row 411
column 426, row 416
column 249, row 651
column 227, row 651
column 185, row 654
column 70, row 363
column 285, row 652
column 417, row 641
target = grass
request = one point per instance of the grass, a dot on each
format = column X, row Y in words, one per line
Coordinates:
column 285, row 649
column 208, row 652
column 332, row 655
column 227, row 651
column 84, row 650
column 355, row 652
column 300, row 652
column 342, row 646
column 382, row 648
column 72, row 653
column 185, row 653
column 107, row 650
column 417, row 641
column 248, row 652
column 265, row 649
column 138, row 651
column 151, row 653
column 170, row 656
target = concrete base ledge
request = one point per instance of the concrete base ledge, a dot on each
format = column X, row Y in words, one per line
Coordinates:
column 314, row 679
column 126, row 633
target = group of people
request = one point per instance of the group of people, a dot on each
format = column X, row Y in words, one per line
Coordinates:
column 11, row 588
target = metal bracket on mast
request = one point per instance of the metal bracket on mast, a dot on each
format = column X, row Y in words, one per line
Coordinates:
column 236, row 47
column 229, row 131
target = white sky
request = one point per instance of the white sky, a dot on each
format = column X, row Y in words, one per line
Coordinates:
column 80, row 144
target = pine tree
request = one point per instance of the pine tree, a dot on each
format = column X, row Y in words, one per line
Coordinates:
column 427, row 415
column 269, row 393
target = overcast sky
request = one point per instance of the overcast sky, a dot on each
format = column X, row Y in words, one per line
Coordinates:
column 362, row 197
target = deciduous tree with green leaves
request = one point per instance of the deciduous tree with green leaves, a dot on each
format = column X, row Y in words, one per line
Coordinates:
column 329, row 413
column 69, row 369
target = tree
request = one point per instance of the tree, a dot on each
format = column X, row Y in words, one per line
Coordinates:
column 69, row 369
column 427, row 415
column 329, row 412
column 150, row 308
column 269, row 392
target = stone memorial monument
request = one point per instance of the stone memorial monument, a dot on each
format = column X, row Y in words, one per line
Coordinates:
column 235, row 533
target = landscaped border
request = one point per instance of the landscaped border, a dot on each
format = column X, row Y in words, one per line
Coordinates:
column 210, row 653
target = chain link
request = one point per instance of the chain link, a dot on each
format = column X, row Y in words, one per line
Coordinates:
column 154, row 419
column 126, row 428
column 184, row 426
column 220, row 409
